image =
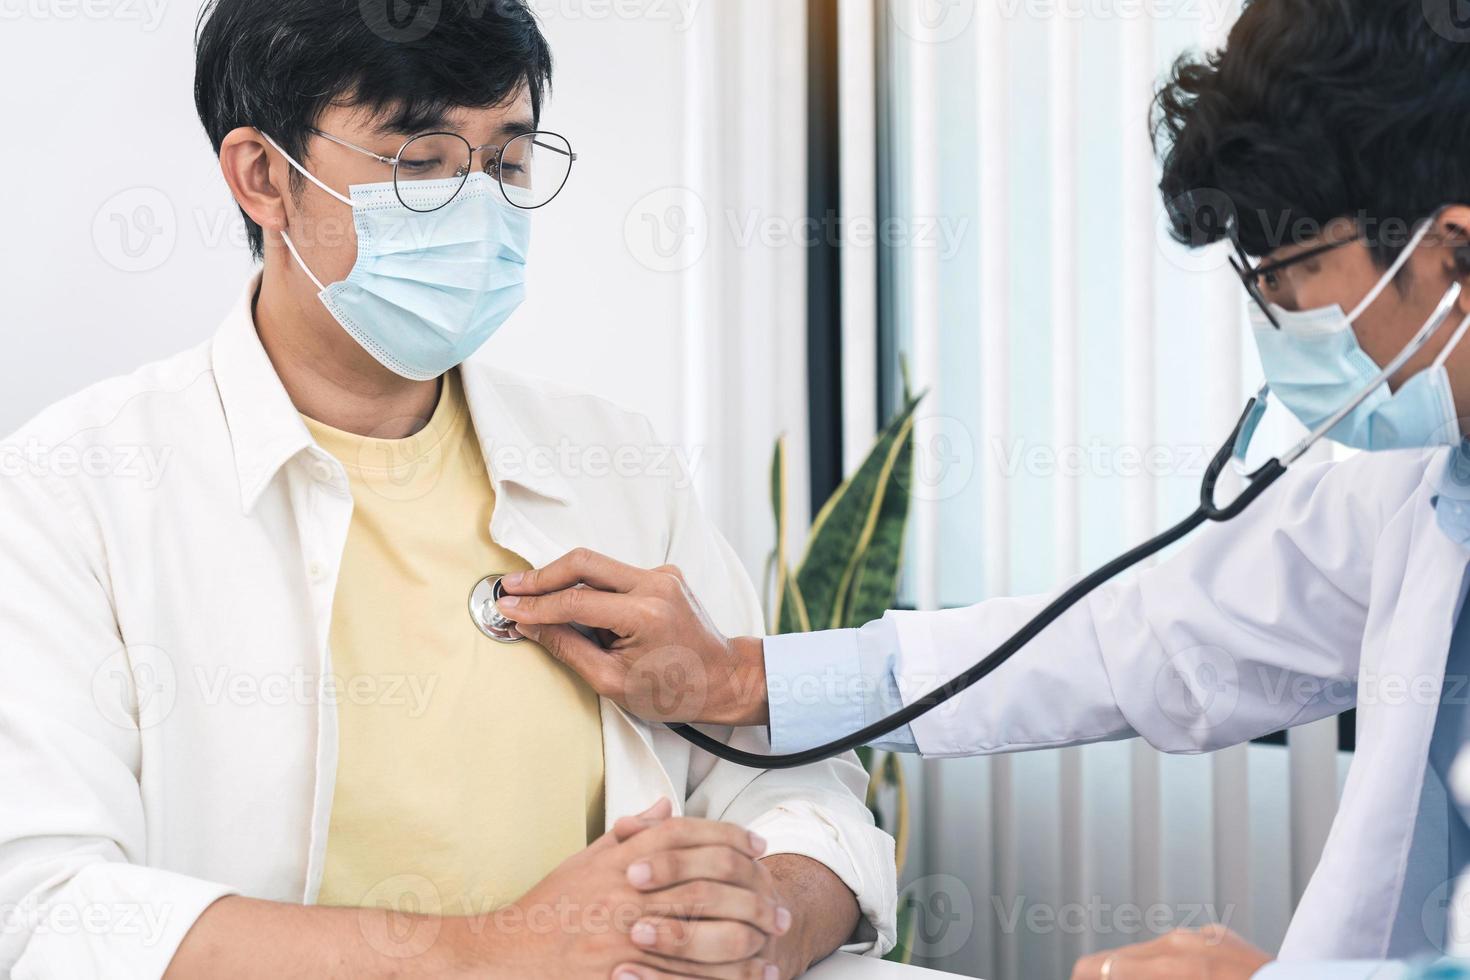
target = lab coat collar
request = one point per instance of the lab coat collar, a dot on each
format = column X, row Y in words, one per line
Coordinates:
column 512, row 455
column 1448, row 479
column 267, row 432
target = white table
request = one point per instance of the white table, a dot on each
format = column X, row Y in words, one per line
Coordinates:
column 847, row 967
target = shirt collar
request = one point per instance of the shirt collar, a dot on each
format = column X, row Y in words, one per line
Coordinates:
column 265, row 429
column 267, row 432
column 1449, row 483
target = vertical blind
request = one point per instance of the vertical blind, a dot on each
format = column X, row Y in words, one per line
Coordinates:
column 1082, row 367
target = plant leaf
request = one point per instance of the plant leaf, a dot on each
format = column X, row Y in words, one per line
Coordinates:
column 874, row 588
column 780, row 568
column 842, row 531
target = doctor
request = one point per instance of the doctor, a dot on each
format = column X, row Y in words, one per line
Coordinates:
column 1337, row 133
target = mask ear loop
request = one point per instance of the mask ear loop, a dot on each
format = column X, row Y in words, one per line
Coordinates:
column 1455, row 338
column 285, row 236
column 302, row 170
column 1393, row 270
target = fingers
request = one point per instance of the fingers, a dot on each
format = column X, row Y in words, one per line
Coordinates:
column 629, row 827
column 665, row 968
column 591, row 662
column 699, row 940
column 605, row 610
column 686, row 832
column 670, row 868
column 575, row 567
column 717, row 900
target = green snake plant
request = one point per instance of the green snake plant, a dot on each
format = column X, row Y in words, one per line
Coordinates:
column 848, row 576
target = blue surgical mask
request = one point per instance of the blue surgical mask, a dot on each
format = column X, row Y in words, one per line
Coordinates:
column 1314, row 366
column 428, row 288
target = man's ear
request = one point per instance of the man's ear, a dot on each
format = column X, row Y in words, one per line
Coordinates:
column 1455, row 226
column 257, row 177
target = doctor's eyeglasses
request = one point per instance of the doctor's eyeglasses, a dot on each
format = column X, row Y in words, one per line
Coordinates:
column 430, row 170
column 1252, row 275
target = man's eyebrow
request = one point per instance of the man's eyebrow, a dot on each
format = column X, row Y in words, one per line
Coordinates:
column 393, row 128
column 518, row 127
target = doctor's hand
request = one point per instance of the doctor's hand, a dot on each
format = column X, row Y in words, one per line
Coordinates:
column 661, row 657
column 1212, row 953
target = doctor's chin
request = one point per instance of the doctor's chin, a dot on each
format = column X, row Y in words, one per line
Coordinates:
column 735, row 490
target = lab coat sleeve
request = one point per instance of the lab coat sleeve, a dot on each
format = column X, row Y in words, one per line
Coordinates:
column 76, row 898
column 1253, row 626
column 819, row 811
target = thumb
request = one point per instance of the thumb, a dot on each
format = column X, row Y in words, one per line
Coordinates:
column 629, row 827
column 588, row 659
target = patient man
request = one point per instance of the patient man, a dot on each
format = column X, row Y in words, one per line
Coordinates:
column 248, row 725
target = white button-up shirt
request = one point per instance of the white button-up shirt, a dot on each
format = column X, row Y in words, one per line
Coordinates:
column 169, row 550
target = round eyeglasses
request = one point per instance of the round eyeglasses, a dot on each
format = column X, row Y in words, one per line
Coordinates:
column 430, row 170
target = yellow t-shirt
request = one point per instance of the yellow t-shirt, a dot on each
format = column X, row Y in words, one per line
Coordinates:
column 468, row 769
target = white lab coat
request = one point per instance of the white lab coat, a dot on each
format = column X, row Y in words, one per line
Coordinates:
column 169, row 550
column 1337, row 587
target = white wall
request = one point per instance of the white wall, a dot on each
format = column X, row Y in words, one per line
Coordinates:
column 124, row 245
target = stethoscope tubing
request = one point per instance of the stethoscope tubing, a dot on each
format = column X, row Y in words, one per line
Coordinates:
column 1207, row 512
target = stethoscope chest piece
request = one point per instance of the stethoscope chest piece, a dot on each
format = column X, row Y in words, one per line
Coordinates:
column 486, row 614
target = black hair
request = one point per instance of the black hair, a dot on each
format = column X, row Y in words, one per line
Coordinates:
column 278, row 64
column 1317, row 110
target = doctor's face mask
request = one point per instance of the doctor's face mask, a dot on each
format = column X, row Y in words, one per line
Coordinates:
column 1315, row 366
column 430, row 285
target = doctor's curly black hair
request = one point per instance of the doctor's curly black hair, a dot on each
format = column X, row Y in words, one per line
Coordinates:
column 1317, row 110
column 277, row 64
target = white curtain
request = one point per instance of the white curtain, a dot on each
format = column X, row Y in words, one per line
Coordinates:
column 1083, row 369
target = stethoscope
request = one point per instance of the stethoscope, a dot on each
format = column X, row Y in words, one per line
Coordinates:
column 1234, row 451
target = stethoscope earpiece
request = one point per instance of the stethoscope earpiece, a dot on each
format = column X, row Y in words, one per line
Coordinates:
column 485, row 611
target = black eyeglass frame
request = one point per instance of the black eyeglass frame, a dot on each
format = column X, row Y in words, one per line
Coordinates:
column 1250, row 276
column 465, row 171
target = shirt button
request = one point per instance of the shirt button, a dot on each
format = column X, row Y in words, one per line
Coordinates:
column 316, row 571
